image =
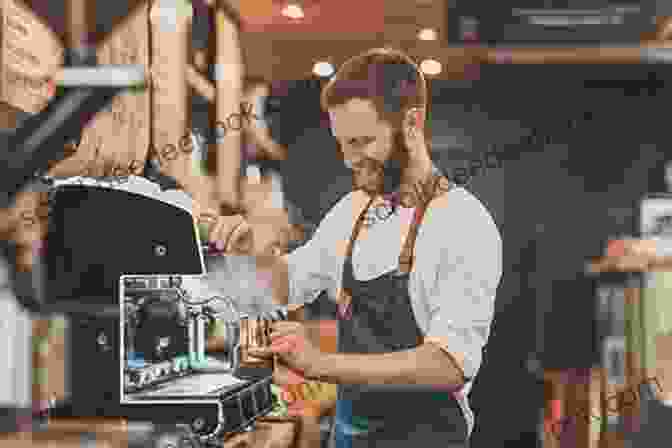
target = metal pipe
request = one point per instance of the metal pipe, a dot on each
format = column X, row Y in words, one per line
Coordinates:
column 191, row 329
column 199, row 352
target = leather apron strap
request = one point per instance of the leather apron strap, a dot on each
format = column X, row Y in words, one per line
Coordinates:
column 437, row 185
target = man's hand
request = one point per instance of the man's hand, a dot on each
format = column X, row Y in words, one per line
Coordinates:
column 230, row 234
column 291, row 343
column 264, row 230
column 268, row 222
column 256, row 235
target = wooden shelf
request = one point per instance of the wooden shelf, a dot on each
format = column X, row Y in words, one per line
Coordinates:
column 593, row 396
column 629, row 263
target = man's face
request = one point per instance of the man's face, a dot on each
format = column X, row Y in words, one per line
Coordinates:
column 371, row 148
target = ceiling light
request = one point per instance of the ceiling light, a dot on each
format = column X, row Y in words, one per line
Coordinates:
column 293, row 11
column 428, row 34
column 430, row 67
column 323, row 69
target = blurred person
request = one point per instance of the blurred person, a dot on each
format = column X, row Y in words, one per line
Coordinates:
column 258, row 142
column 260, row 154
column 408, row 340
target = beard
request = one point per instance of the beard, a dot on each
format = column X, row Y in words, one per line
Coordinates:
column 382, row 178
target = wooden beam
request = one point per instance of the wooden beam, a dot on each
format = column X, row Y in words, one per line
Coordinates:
column 200, row 84
column 93, row 33
column 664, row 28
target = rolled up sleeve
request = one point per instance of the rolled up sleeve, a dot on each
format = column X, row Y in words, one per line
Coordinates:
column 461, row 302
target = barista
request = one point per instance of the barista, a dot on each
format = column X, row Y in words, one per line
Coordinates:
column 404, row 320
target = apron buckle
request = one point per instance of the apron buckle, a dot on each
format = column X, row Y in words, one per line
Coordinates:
column 345, row 305
column 345, row 310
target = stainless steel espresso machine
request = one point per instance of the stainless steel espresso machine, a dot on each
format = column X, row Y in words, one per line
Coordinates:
column 138, row 326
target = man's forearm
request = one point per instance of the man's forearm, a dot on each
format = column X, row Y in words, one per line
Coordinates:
column 424, row 365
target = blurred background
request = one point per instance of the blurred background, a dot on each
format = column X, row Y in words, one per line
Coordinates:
column 578, row 138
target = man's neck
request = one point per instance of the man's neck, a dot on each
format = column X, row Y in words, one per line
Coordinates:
column 418, row 171
column 416, row 178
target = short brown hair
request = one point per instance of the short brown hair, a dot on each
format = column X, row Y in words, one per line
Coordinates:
column 388, row 77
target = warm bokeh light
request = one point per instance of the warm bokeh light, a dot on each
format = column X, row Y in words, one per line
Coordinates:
column 293, row 11
column 323, row 68
column 428, row 34
column 430, row 67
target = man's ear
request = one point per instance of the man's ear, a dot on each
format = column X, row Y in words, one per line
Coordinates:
column 414, row 119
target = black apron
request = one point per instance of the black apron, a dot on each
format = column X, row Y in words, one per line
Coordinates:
column 380, row 319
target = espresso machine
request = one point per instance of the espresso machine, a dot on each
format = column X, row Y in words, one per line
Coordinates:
column 138, row 323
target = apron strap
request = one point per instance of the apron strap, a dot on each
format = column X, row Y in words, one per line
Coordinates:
column 407, row 255
column 357, row 228
column 344, row 297
column 439, row 184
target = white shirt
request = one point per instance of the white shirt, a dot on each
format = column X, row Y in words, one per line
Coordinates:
column 453, row 283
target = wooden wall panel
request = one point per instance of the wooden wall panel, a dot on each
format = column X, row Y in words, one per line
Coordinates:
column 116, row 141
column 31, row 52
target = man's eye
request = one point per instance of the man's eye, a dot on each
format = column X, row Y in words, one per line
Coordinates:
column 357, row 142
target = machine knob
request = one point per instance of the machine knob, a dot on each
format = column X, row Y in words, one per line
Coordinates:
column 198, row 424
column 102, row 341
column 175, row 281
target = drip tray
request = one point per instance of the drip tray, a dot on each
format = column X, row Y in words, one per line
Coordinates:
column 202, row 385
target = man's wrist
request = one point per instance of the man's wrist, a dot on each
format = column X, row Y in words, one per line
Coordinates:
column 319, row 370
